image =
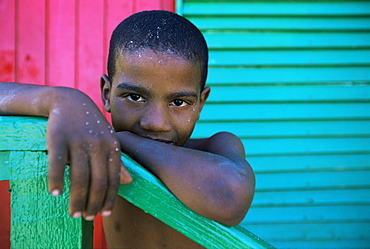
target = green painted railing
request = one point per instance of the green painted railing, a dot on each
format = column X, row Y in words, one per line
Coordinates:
column 39, row 220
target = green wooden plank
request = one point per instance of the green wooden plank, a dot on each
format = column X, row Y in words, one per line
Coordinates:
column 309, row 197
column 301, row 93
column 262, row 8
column 291, row 75
column 309, row 162
column 286, row 40
column 286, row 129
column 279, row 23
column 26, row 133
column 285, row 111
column 39, row 220
column 313, row 180
column 309, row 213
column 289, row 58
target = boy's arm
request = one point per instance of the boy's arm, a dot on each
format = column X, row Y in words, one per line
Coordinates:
column 78, row 134
column 211, row 177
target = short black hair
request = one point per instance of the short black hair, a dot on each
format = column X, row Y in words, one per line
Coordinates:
column 160, row 31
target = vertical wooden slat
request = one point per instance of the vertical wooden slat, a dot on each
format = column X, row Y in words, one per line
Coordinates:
column 34, row 226
column 60, row 43
column 89, row 47
column 30, row 41
column 141, row 5
column 7, row 40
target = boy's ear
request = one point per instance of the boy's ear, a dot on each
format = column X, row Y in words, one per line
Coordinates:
column 203, row 97
column 105, row 88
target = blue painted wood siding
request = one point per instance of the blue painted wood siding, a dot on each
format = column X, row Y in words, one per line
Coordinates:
column 292, row 80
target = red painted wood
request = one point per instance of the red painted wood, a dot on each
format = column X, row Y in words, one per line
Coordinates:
column 30, row 41
column 141, row 5
column 89, row 47
column 7, row 40
column 60, row 43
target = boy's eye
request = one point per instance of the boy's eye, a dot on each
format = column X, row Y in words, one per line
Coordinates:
column 179, row 102
column 134, row 97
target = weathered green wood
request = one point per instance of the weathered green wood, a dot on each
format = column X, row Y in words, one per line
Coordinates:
column 146, row 191
column 26, row 134
column 39, row 220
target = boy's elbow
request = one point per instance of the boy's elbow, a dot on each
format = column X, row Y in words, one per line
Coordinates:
column 236, row 202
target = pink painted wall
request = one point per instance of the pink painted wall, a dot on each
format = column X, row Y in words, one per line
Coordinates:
column 60, row 43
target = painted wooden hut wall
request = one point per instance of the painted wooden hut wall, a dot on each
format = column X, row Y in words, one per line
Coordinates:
column 59, row 43
column 292, row 79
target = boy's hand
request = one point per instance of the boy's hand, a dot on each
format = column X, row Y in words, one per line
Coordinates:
column 78, row 134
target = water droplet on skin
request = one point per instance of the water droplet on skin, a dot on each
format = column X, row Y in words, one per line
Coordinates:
column 117, row 149
column 87, row 112
column 111, row 131
column 189, row 119
column 90, row 131
column 109, row 126
column 98, row 121
column 102, row 132
column 110, row 159
column 193, row 109
column 87, row 123
column 84, row 104
column 115, row 142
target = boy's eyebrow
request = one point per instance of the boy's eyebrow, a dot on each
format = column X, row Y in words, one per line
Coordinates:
column 125, row 86
column 182, row 94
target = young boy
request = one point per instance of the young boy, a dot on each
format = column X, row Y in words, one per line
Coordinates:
column 155, row 91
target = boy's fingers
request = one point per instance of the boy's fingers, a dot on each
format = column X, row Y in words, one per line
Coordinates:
column 115, row 167
column 57, row 162
column 98, row 186
column 79, row 178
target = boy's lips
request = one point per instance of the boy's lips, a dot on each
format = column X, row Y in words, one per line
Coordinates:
column 166, row 141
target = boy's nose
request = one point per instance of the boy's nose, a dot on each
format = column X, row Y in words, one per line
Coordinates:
column 155, row 119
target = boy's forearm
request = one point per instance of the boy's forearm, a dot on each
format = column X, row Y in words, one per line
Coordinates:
column 25, row 99
column 34, row 100
column 209, row 184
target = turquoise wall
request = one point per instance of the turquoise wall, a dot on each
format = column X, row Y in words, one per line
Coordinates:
column 292, row 80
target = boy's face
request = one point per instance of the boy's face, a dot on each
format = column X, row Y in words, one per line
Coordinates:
column 155, row 95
